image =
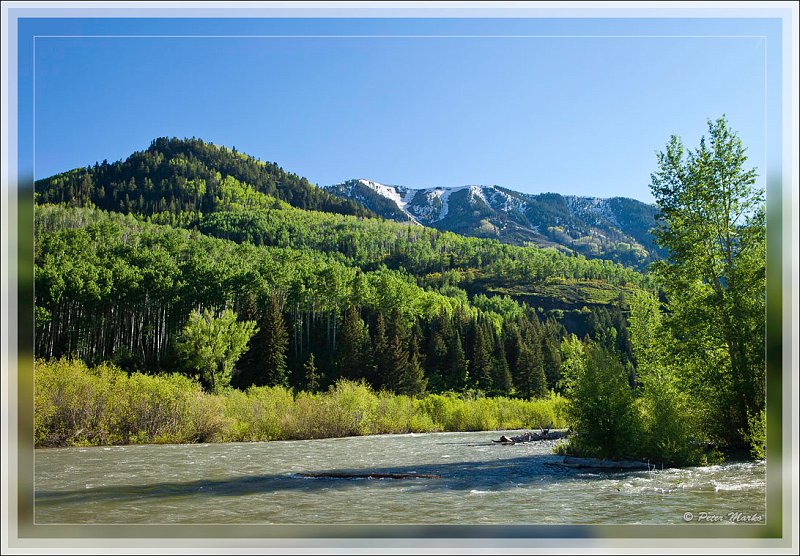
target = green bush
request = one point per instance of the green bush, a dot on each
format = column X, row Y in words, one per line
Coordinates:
column 601, row 408
column 756, row 435
column 668, row 423
column 261, row 413
column 75, row 405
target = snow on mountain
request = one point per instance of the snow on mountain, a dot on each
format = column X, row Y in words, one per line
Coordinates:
column 401, row 196
column 615, row 228
column 433, row 204
column 584, row 206
column 445, row 198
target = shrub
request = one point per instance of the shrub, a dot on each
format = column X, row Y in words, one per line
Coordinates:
column 668, row 424
column 261, row 413
column 756, row 435
column 75, row 405
column 601, row 408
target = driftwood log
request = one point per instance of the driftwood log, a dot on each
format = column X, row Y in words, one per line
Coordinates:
column 531, row 437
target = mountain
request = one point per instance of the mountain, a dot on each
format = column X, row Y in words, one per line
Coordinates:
column 175, row 175
column 615, row 228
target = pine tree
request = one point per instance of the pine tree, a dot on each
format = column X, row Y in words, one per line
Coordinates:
column 352, row 346
column 274, row 342
column 513, row 344
column 412, row 381
column 396, row 360
column 437, row 344
column 481, row 364
column 380, row 352
column 501, row 376
column 312, row 376
column 436, row 360
column 457, row 372
column 531, row 380
column 551, row 355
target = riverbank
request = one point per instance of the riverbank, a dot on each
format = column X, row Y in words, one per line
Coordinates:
column 78, row 406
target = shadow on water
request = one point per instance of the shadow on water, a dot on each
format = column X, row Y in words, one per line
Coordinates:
column 496, row 475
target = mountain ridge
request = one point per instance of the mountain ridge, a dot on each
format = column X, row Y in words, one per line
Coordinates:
column 616, row 227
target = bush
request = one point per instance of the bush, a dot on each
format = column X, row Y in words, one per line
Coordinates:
column 261, row 413
column 756, row 435
column 601, row 408
column 75, row 405
column 669, row 426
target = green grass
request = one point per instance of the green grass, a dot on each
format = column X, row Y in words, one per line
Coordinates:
column 566, row 293
column 78, row 406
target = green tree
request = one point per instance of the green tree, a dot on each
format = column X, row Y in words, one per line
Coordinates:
column 551, row 355
column 213, row 345
column 397, row 358
column 670, row 423
column 501, row 376
column 573, row 362
column 380, row 352
column 531, row 380
column 311, row 374
column 713, row 224
column 412, row 379
column 601, row 405
column 352, row 346
column 481, row 363
column 457, row 373
column 274, row 343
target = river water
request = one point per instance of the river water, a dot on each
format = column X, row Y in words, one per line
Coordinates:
column 477, row 482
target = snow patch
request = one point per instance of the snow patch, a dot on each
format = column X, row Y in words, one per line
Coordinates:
column 582, row 206
column 418, row 204
column 393, row 194
column 477, row 191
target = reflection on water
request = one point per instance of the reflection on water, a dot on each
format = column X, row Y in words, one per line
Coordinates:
column 478, row 482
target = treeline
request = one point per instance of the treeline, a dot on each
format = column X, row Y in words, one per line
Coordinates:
column 110, row 287
column 80, row 406
column 183, row 175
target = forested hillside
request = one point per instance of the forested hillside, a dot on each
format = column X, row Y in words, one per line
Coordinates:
column 109, row 287
column 186, row 228
column 183, row 175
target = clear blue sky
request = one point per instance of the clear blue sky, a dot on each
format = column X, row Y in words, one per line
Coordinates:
column 572, row 115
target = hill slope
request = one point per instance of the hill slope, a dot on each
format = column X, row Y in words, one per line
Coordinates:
column 178, row 175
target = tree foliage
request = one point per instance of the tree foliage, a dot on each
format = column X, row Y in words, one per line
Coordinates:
column 601, row 405
column 212, row 345
column 713, row 224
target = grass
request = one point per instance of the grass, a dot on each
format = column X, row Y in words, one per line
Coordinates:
column 80, row 406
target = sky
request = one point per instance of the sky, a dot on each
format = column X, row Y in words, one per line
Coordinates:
column 564, row 106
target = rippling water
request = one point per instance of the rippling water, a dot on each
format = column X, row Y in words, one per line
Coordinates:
column 479, row 482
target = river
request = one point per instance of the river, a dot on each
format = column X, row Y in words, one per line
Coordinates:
column 476, row 482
